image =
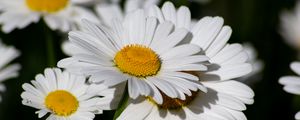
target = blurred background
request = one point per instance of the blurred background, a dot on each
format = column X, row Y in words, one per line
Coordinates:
column 253, row 21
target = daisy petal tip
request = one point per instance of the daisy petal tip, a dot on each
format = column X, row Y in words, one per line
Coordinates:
column 297, row 116
column 281, row 80
column 203, row 89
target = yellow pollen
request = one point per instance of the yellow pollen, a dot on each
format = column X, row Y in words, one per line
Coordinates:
column 174, row 103
column 49, row 6
column 61, row 102
column 138, row 61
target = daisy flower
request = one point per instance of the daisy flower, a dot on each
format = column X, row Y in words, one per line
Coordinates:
column 292, row 83
column 8, row 54
column 60, row 15
column 66, row 96
column 140, row 51
column 223, row 101
column 226, row 98
column 290, row 26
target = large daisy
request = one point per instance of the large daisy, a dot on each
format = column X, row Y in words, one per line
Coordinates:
column 290, row 26
column 292, row 83
column 227, row 61
column 66, row 96
column 58, row 14
column 139, row 50
column 8, row 54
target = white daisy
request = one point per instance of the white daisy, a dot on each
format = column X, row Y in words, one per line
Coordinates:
column 223, row 101
column 292, row 83
column 227, row 61
column 66, row 96
column 139, row 50
column 107, row 12
column 8, row 54
column 290, row 26
column 58, row 14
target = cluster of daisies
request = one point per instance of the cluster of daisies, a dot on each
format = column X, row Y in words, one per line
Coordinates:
column 154, row 63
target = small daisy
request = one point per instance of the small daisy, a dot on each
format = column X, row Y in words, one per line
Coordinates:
column 58, row 14
column 290, row 26
column 66, row 96
column 8, row 54
column 292, row 83
column 223, row 101
column 139, row 50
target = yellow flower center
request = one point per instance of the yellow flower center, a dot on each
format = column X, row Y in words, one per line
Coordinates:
column 61, row 102
column 174, row 103
column 138, row 61
column 49, row 6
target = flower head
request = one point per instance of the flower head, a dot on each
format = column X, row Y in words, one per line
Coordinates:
column 140, row 50
column 225, row 98
column 292, row 83
column 66, row 95
column 8, row 54
column 62, row 15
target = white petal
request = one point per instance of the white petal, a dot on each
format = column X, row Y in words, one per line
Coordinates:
column 297, row 116
column 173, row 39
column 219, row 41
column 290, row 80
column 227, row 72
column 136, row 111
column 108, row 12
column 169, row 12
column 181, row 51
column 183, row 17
column 295, row 66
column 161, row 33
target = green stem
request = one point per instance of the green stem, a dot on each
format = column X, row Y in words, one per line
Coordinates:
column 50, row 46
column 122, row 104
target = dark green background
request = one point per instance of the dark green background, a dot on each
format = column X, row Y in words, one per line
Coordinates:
column 255, row 21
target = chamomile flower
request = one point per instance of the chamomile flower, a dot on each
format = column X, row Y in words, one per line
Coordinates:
column 7, row 71
column 60, row 15
column 227, row 61
column 66, row 96
column 140, row 51
column 292, row 83
column 290, row 26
